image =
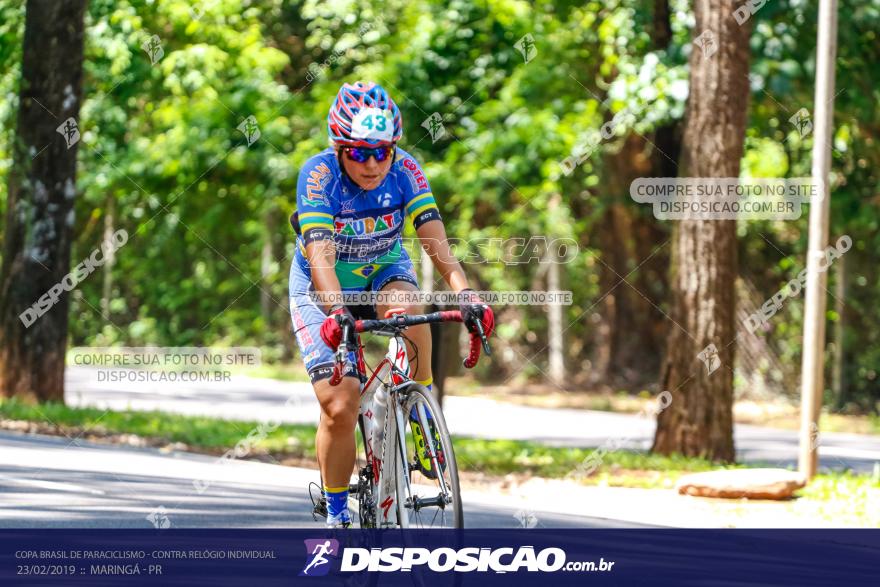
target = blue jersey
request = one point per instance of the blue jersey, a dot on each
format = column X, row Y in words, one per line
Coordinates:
column 365, row 225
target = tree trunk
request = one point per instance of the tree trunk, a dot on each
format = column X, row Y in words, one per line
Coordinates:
column 837, row 381
column 555, row 328
column 662, row 33
column 630, row 335
column 39, row 216
column 109, row 256
column 699, row 420
column 620, row 332
column 649, row 234
column 630, row 320
column 267, row 255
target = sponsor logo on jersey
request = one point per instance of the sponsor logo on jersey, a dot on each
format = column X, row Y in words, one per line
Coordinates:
column 347, row 207
column 416, row 173
column 315, row 186
column 369, row 225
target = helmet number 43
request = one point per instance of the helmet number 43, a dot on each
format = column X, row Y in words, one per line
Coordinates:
column 372, row 123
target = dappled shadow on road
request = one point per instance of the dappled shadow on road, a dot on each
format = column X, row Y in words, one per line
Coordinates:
column 60, row 497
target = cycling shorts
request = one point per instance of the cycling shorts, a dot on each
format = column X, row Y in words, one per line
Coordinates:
column 307, row 316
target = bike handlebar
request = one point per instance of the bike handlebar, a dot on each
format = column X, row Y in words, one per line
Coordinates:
column 400, row 322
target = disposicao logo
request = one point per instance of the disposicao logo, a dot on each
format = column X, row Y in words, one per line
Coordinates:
column 442, row 560
column 319, row 552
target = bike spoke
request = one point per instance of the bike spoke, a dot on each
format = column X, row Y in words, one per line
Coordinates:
column 429, row 446
column 442, row 499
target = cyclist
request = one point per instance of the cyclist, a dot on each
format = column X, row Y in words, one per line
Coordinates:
column 352, row 200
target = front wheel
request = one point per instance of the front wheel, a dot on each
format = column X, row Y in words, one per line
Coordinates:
column 431, row 492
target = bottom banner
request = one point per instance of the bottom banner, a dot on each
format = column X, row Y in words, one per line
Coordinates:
column 436, row 558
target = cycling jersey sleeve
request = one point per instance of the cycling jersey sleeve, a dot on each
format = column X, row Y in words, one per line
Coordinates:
column 417, row 197
column 313, row 202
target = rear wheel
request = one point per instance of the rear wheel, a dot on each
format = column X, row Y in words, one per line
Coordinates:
column 431, row 499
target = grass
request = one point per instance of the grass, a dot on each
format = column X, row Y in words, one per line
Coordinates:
column 502, row 457
column 205, row 433
column 775, row 413
column 490, row 457
column 493, row 457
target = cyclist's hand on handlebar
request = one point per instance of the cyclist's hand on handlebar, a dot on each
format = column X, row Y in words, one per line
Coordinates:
column 331, row 329
column 474, row 310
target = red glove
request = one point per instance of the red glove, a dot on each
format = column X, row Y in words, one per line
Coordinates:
column 472, row 309
column 331, row 329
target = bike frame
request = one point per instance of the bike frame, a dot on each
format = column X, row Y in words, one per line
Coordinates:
column 392, row 373
column 380, row 487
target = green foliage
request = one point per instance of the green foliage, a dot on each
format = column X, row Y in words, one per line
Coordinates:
column 209, row 244
column 783, row 45
column 11, row 25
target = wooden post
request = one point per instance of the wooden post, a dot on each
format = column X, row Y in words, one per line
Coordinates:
column 814, row 312
column 555, row 328
column 837, row 380
column 109, row 256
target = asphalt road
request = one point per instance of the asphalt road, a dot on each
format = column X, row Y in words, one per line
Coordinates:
column 245, row 398
column 66, row 482
column 56, row 482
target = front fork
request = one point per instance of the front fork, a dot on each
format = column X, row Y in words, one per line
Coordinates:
column 403, row 481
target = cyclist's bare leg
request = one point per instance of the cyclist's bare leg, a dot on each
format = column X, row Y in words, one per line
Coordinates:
column 420, row 335
column 334, row 442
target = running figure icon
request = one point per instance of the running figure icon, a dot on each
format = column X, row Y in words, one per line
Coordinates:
column 319, row 550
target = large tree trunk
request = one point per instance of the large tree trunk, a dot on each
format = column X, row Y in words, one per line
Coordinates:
column 628, row 334
column 42, row 186
column 629, row 337
column 699, row 420
column 621, row 333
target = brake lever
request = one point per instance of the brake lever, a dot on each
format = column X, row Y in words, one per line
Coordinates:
column 342, row 353
column 483, row 338
column 344, row 346
column 341, row 356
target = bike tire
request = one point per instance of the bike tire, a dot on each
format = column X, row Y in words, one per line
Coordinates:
column 415, row 393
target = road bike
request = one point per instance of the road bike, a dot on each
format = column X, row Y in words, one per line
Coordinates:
column 391, row 489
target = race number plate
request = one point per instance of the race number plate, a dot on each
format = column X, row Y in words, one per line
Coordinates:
column 373, row 124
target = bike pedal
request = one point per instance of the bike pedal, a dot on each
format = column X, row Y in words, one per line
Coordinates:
column 319, row 502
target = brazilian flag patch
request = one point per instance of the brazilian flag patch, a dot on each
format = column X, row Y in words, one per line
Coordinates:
column 365, row 270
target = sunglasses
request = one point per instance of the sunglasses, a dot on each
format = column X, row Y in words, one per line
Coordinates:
column 363, row 154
